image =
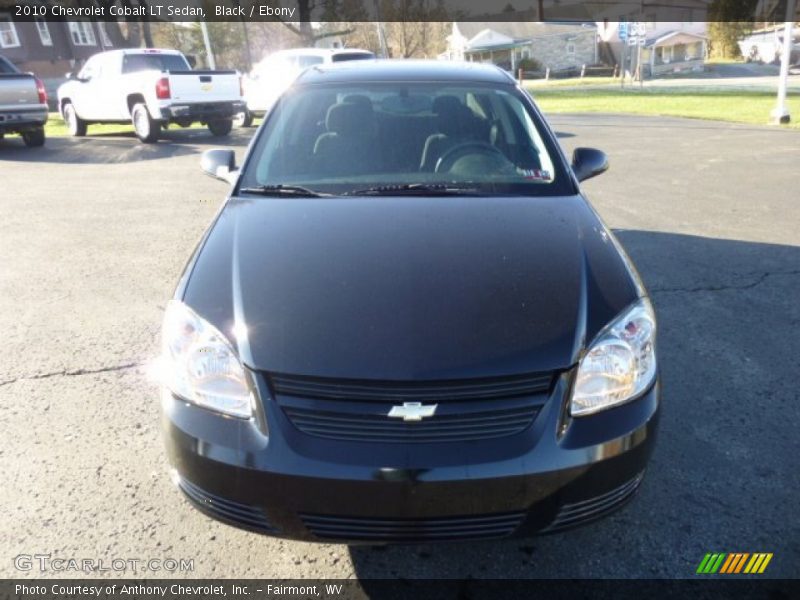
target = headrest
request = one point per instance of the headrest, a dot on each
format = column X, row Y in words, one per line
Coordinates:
column 359, row 99
column 348, row 118
column 453, row 117
column 446, row 104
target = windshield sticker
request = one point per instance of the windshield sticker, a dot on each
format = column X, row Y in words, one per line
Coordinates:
column 535, row 174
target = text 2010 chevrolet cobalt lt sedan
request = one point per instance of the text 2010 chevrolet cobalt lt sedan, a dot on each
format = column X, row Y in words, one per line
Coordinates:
column 406, row 323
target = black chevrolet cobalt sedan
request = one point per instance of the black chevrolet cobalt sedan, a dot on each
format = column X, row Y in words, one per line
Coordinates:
column 406, row 323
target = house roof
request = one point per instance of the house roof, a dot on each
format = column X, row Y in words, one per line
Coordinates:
column 670, row 36
column 522, row 30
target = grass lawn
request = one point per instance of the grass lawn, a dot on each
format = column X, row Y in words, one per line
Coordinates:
column 537, row 84
column 717, row 105
column 57, row 128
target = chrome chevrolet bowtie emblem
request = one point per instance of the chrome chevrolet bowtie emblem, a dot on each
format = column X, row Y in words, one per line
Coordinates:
column 413, row 411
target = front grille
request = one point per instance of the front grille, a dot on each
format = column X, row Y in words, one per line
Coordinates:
column 411, row 391
column 357, row 410
column 458, row 427
column 578, row 513
column 412, row 530
column 233, row 513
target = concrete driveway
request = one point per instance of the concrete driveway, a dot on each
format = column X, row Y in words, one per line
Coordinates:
column 94, row 234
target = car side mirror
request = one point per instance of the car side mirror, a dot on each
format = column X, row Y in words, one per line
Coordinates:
column 588, row 162
column 70, row 76
column 220, row 164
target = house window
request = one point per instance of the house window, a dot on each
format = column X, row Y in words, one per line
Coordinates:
column 44, row 32
column 82, row 33
column 8, row 34
column 104, row 35
column 570, row 48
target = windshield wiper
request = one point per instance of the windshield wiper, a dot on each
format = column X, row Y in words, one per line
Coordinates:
column 283, row 190
column 416, row 189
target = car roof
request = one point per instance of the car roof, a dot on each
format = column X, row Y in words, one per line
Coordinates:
column 403, row 70
column 317, row 51
column 140, row 51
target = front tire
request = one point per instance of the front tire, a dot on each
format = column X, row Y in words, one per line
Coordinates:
column 220, row 127
column 245, row 119
column 146, row 128
column 75, row 125
column 33, row 138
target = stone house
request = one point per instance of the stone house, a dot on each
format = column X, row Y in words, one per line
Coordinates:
column 555, row 46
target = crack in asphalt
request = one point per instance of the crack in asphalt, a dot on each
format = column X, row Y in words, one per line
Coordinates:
column 762, row 277
column 73, row 373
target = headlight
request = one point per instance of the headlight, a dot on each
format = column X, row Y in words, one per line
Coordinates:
column 200, row 366
column 620, row 363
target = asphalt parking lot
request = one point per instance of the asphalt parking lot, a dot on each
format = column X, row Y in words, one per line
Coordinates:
column 94, row 234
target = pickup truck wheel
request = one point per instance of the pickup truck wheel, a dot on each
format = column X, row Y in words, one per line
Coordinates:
column 244, row 119
column 220, row 127
column 146, row 128
column 75, row 125
column 33, row 138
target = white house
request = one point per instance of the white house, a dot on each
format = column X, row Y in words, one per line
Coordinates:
column 669, row 46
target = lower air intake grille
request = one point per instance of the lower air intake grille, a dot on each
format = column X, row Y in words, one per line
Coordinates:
column 233, row 513
column 457, row 427
column 417, row 530
column 579, row 513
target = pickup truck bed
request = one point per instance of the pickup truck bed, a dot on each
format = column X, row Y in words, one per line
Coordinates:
column 23, row 104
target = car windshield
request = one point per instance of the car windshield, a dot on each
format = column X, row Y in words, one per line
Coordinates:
column 6, row 68
column 350, row 138
column 308, row 60
column 345, row 56
column 133, row 63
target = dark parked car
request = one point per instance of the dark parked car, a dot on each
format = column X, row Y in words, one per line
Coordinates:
column 407, row 323
column 23, row 104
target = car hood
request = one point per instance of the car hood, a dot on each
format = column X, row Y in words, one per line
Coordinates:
column 409, row 288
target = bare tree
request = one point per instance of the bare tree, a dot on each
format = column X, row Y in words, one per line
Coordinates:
column 130, row 34
column 329, row 11
column 415, row 28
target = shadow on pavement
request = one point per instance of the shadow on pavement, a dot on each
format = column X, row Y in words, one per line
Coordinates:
column 728, row 353
column 109, row 148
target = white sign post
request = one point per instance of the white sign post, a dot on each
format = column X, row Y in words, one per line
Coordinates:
column 781, row 114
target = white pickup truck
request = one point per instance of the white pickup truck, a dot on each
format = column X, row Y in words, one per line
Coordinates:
column 149, row 88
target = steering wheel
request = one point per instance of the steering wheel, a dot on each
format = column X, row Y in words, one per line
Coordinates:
column 451, row 156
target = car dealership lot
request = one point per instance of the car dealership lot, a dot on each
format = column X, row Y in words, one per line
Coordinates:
column 94, row 234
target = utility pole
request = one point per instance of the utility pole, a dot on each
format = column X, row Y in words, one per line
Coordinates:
column 207, row 41
column 781, row 114
column 248, row 54
column 381, row 34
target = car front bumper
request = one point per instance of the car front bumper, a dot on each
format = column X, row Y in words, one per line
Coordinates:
column 557, row 474
column 24, row 119
column 202, row 111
